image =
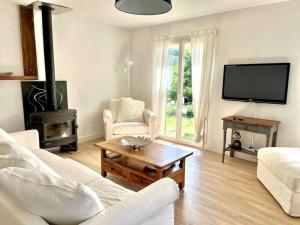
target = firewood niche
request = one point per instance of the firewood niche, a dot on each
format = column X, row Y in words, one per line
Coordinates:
column 28, row 47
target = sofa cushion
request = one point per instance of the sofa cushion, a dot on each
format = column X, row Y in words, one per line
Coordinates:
column 109, row 192
column 14, row 148
column 13, row 160
column 11, row 213
column 131, row 110
column 130, row 128
column 73, row 170
column 55, row 199
column 45, row 156
column 24, row 161
column 67, row 168
column 5, row 137
column 16, row 155
column 284, row 163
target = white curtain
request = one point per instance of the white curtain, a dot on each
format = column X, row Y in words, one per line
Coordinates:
column 203, row 47
column 160, row 63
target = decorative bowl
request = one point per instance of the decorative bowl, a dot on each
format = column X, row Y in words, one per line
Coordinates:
column 135, row 143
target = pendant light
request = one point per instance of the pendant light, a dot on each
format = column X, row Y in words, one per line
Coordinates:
column 144, row 7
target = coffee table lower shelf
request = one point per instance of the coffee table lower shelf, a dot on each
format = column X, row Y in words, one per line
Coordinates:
column 119, row 168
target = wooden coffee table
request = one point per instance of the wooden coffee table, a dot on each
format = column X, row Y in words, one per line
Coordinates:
column 159, row 161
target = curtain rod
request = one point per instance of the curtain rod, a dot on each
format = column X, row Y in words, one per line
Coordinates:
column 186, row 33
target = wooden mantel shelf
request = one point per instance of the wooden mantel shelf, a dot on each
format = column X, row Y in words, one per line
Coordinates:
column 28, row 47
column 14, row 77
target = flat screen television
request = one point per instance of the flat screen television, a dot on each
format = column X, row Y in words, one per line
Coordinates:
column 262, row 83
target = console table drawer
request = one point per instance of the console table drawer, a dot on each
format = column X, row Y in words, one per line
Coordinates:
column 245, row 127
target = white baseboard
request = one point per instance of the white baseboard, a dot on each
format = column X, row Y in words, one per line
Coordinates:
column 212, row 148
column 89, row 137
column 245, row 156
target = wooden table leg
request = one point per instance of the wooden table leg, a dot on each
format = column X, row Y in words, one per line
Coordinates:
column 159, row 173
column 103, row 155
column 182, row 168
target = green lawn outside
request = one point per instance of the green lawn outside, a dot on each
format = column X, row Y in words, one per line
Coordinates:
column 188, row 128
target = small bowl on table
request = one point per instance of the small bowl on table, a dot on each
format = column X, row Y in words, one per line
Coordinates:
column 135, row 143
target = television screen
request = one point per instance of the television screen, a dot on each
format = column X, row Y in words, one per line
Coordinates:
column 256, row 82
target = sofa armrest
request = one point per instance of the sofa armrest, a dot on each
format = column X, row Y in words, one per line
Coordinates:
column 108, row 123
column 149, row 116
column 139, row 207
column 107, row 116
column 28, row 138
column 150, row 119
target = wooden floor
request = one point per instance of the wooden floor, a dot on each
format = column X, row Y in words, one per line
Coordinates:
column 215, row 193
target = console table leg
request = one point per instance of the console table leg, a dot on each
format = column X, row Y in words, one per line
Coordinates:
column 274, row 139
column 103, row 155
column 267, row 140
column 224, row 144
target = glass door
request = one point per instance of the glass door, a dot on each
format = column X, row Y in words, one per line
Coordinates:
column 178, row 121
column 187, row 113
column 170, row 115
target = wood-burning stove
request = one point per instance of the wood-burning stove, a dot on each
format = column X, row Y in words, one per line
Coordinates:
column 57, row 128
column 57, row 125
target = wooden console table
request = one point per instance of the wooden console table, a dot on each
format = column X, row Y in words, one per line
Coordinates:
column 254, row 125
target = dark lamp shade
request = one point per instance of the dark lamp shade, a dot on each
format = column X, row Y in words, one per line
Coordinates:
column 144, row 7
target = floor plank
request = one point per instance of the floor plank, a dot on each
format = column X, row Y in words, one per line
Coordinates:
column 215, row 193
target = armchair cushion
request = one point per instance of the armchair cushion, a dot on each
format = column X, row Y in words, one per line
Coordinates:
column 125, row 128
column 131, row 110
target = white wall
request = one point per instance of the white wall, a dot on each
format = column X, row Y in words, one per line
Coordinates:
column 11, row 108
column 255, row 35
column 87, row 55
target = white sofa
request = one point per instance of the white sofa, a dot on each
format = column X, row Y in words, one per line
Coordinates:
column 279, row 170
column 151, row 206
column 114, row 129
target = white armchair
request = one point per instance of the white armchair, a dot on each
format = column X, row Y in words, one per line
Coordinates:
column 114, row 129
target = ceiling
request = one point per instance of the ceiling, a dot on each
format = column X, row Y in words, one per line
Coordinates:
column 104, row 10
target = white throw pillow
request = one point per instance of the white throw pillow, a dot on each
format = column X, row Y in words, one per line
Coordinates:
column 13, row 160
column 55, row 199
column 4, row 137
column 131, row 110
column 16, row 155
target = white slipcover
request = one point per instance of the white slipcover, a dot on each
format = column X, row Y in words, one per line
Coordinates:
column 151, row 206
column 279, row 170
column 131, row 110
column 130, row 128
column 49, row 196
column 113, row 129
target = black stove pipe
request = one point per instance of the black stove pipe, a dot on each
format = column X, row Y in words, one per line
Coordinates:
column 49, row 57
